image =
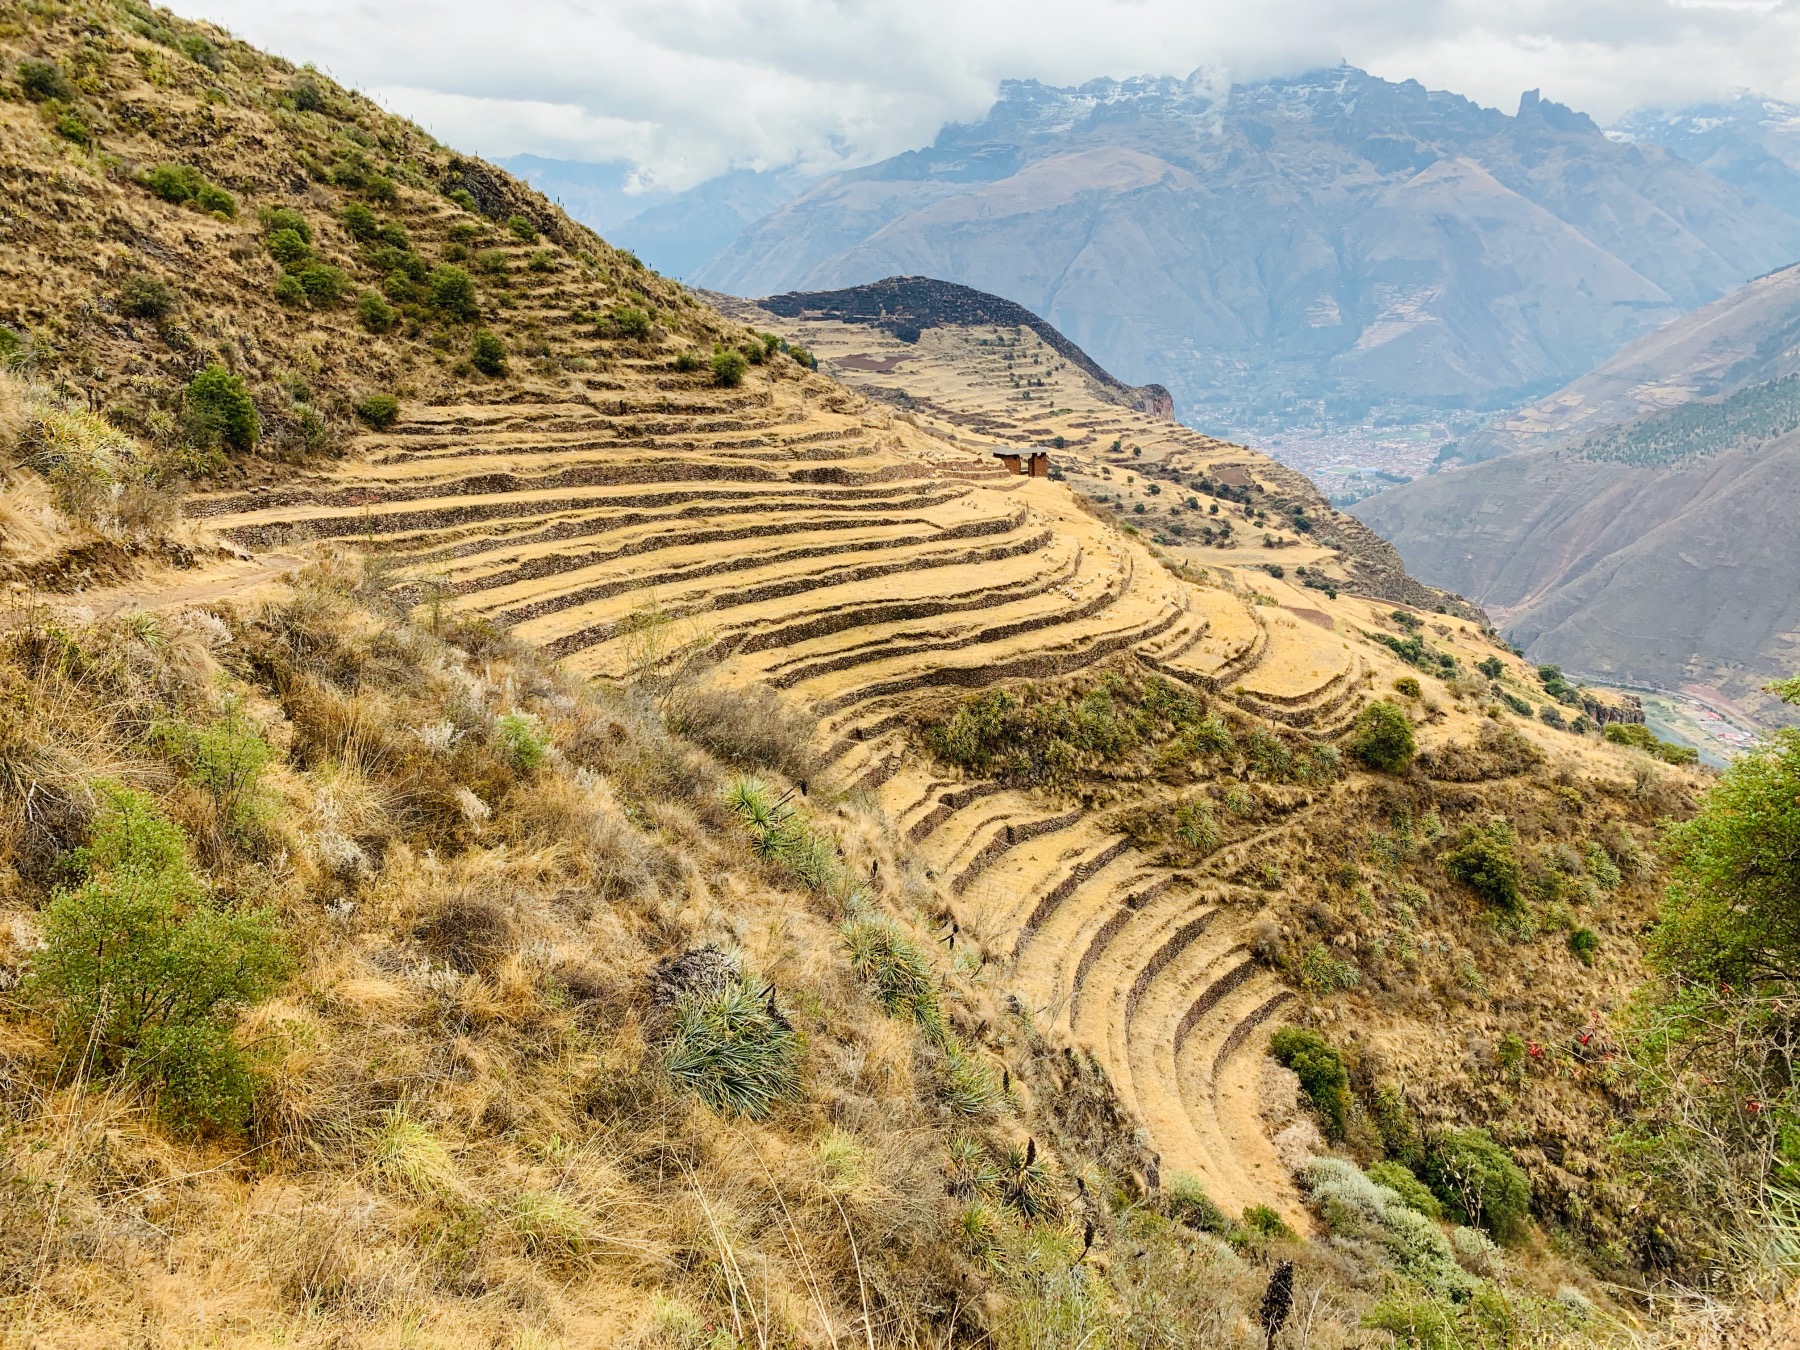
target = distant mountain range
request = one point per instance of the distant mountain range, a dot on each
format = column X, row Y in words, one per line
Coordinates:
column 1288, row 250
column 1641, row 525
column 1749, row 141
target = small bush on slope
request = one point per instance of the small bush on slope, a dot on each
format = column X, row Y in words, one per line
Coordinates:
column 1479, row 1183
column 145, row 976
column 1484, row 858
column 1383, row 738
column 1321, row 1071
column 735, row 1051
column 897, row 972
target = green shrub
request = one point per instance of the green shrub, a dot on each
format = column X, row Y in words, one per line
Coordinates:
column 628, row 321
column 1413, row 1193
column 289, row 291
column 1189, row 1204
column 1484, row 858
column 1321, row 1071
column 1261, row 1222
column 278, row 218
column 1394, row 1122
column 1585, row 944
column 1383, row 738
column 1479, row 1183
column 225, row 759
column 216, row 200
column 43, row 81
column 728, row 367
column 452, row 292
column 288, row 248
column 218, row 410
column 1408, row 685
column 493, row 261
column 541, row 261
column 465, row 231
column 1638, row 735
column 200, row 51
column 463, row 198
column 804, row 357
column 524, row 739
column 306, row 95
column 145, row 977
column 184, row 184
column 72, row 128
column 380, row 411
column 488, row 353
column 522, row 229
column 379, row 187
column 735, row 1051
column 374, row 313
column 689, row 361
column 146, row 297
column 897, row 972
column 324, row 285
column 360, row 223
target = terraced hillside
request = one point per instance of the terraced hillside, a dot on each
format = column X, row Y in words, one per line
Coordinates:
column 877, row 567
column 581, row 453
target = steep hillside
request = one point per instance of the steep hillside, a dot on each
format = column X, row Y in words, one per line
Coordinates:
column 629, row 840
column 1638, row 526
column 1337, row 237
column 1748, row 336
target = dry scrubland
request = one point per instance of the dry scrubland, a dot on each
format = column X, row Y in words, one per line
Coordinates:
column 703, row 858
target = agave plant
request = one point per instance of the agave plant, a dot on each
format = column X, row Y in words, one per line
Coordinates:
column 735, row 1051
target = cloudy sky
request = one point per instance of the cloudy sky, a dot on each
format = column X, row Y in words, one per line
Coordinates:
column 685, row 89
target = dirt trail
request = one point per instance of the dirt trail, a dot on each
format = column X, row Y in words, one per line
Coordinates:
column 168, row 588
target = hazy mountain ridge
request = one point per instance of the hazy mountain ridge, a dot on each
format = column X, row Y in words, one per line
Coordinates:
column 1332, row 238
column 1638, row 524
column 1748, row 140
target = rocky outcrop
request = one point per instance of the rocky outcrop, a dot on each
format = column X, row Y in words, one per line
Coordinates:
column 906, row 306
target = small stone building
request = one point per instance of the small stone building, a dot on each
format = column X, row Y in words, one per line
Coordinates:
column 1031, row 463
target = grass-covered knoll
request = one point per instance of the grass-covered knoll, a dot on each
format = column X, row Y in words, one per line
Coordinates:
column 1121, row 723
column 1746, row 417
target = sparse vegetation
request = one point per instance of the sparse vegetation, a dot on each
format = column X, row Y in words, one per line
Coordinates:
column 380, row 411
column 459, row 1119
column 488, row 353
column 1701, row 427
column 218, row 410
column 1320, row 1069
column 728, row 368
column 1383, row 739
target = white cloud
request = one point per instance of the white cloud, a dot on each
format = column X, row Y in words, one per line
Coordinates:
column 688, row 88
